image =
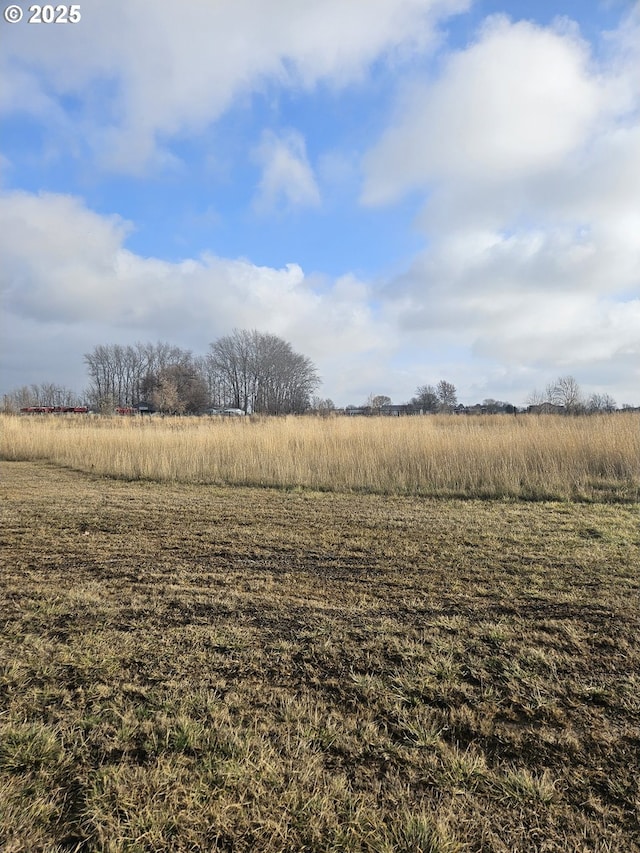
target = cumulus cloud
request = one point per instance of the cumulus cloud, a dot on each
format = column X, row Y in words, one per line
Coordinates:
column 524, row 147
column 287, row 178
column 528, row 157
column 527, row 305
column 513, row 104
column 174, row 68
column 517, row 298
column 67, row 272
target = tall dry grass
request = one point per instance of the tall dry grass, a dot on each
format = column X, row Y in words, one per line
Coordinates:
column 492, row 456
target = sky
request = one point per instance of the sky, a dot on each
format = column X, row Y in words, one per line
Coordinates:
column 405, row 190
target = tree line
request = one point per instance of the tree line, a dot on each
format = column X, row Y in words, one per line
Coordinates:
column 441, row 398
column 563, row 395
column 42, row 394
column 259, row 373
column 566, row 395
column 246, row 370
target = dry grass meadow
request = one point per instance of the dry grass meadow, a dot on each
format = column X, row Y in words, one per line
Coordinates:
column 530, row 457
column 362, row 654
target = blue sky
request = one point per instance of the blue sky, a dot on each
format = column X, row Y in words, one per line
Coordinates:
column 406, row 190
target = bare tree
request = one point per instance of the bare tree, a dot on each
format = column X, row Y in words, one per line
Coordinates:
column 229, row 361
column 127, row 376
column 494, row 407
column 101, row 383
column 601, row 403
column 536, row 398
column 379, row 401
column 214, row 382
column 44, row 394
column 426, row 398
column 447, row 395
column 259, row 372
column 180, row 389
column 322, row 407
column 114, row 376
column 166, row 398
column 566, row 392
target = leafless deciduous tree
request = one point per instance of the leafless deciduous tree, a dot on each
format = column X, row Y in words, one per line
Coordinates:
column 44, row 394
column 536, row 398
column 426, row 399
column 601, row 403
column 377, row 401
column 259, row 372
column 566, row 392
column 321, row 406
column 179, row 389
column 116, row 374
column 447, row 395
column 230, row 370
column 128, row 375
column 493, row 407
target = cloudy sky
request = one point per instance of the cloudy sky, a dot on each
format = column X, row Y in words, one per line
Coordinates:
column 406, row 190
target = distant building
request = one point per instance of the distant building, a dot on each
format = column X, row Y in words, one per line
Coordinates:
column 395, row 411
column 546, row 409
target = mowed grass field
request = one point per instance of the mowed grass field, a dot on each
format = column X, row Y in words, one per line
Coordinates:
column 193, row 666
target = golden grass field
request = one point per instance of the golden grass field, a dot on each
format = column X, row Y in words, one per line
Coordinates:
column 531, row 457
column 367, row 663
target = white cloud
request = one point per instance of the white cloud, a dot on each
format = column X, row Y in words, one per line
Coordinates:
column 66, row 271
column 513, row 104
column 527, row 154
column 172, row 67
column 531, row 297
column 287, row 178
column 528, row 157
